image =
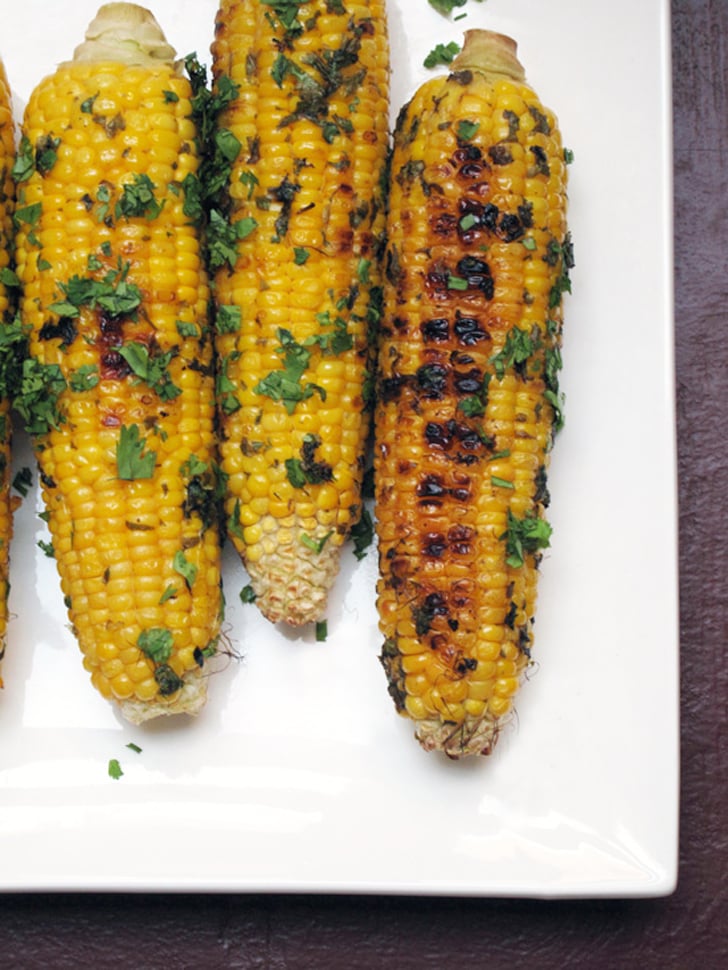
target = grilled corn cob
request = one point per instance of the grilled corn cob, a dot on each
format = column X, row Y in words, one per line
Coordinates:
column 468, row 401
column 7, row 341
column 294, row 247
column 118, row 387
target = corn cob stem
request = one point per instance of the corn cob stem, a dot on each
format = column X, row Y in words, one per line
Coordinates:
column 468, row 400
column 118, row 390
column 299, row 289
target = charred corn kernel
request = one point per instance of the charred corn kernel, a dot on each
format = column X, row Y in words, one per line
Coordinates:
column 467, row 391
column 118, row 391
column 10, row 340
column 295, row 243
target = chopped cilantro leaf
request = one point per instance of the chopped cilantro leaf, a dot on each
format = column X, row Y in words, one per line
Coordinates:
column 138, row 199
column 23, row 481
column 37, row 398
column 363, row 534
column 228, row 319
column 132, row 461
column 115, row 771
column 187, row 329
column 186, row 569
column 467, row 129
column 442, row 54
column 24, row 164
column 156, row 643
column 150, row 368
column 528, row 534
column 84, row 378
column 315, row 545
column 517, row 349
column 285, row 384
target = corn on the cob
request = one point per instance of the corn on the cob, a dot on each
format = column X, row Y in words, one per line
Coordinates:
column 294, row 246
column 468, row 401
column 118, row 387
column 7, row 196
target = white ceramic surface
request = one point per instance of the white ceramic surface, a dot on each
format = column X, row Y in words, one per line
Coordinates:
column 298, row 776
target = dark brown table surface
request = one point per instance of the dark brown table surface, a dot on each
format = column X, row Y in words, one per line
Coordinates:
column 686, row 930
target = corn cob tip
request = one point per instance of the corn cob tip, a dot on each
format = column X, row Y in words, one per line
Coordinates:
column 126, row 33
column 490, row 53
column 190, row 700
column 474, row 736
column 294, row 590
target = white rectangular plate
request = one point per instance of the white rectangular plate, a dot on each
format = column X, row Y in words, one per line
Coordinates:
column 299, row 776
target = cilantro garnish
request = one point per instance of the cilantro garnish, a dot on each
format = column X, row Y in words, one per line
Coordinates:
column 156, row 643
column 316, row 87
column 250, row 180
column 518, row 347
column 41, row 159
column 285, row 384
column 8, row 277
column 363, row 534
column 132, row 461
column 442, row 54
column 138, row 199
column 28, row 214
column 115, row 771
column 315, row 545
column 84, row 378
column 24, row 164
column 37, row 398
column 23, row 481
column 474, row 405
column 335, row 341
column 87, row 106
column 446, row 7
column 46, row 153
column 150, row 368
column 13, row 351
column 306, row 470
column 112, row 293
column 228, row 319
column 225, row 390
column 467, row 129
column 223, row 237
column 287, row 13
column 528, row 534
column 186, row 328
column 186, row 569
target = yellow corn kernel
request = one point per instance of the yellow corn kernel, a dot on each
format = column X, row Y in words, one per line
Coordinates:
column 467, row 405
column 115, row 295
column 307, row 211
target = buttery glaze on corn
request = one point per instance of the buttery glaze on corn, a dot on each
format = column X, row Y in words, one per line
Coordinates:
column 118, row 390
column 300, row 291
column 468, row 401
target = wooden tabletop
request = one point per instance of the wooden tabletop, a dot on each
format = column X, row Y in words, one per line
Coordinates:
column 686, row 930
